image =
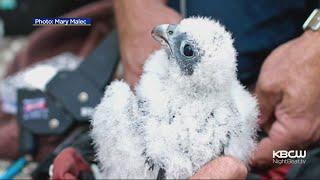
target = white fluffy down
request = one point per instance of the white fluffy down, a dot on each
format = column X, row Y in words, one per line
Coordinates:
column 177, row 122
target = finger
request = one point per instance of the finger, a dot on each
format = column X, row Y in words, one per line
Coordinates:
column 131, row 78
column 278, row 139
column 69, row 176
column 81, row 164
column 263, row 154
column 63, row 163
column 59, row 169
column 267, row 102
column 225, row 167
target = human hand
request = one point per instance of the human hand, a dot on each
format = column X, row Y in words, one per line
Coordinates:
column 288, row 92
column 69, row 164
column 225, row 167
column 135, row 21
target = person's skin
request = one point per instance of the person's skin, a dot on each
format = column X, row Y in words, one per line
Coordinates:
column 225, row 167
column 288, row 91
column 69, row 164
column 135, row 20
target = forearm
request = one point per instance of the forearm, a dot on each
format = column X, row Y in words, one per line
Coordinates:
column 136, row 14
column 135, row 20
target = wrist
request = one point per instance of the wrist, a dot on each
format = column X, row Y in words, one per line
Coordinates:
column 310, row 34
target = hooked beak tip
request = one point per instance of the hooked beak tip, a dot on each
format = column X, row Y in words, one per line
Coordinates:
column 159, row 33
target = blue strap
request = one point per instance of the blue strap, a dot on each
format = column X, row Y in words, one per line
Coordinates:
column 14, row 169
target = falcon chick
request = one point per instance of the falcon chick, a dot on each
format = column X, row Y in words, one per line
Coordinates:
column 187, row 109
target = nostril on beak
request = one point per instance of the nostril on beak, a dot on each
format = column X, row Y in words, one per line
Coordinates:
column 153, row 32
column 160, row 32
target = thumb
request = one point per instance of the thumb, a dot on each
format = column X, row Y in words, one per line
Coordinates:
column 69, row 176
column 278, row 139
column 225, row 167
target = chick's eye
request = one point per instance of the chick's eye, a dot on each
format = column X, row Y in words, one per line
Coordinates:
column 188, row 50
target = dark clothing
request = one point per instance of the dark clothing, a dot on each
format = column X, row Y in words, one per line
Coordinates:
column 46, row 42
column 84, row 145
column 257, row 26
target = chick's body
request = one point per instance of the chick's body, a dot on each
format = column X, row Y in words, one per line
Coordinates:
column 185, row 110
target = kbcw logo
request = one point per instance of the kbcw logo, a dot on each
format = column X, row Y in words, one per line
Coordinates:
column 293, row 154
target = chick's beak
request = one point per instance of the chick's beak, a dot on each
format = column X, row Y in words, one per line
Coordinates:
column 159, row 33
